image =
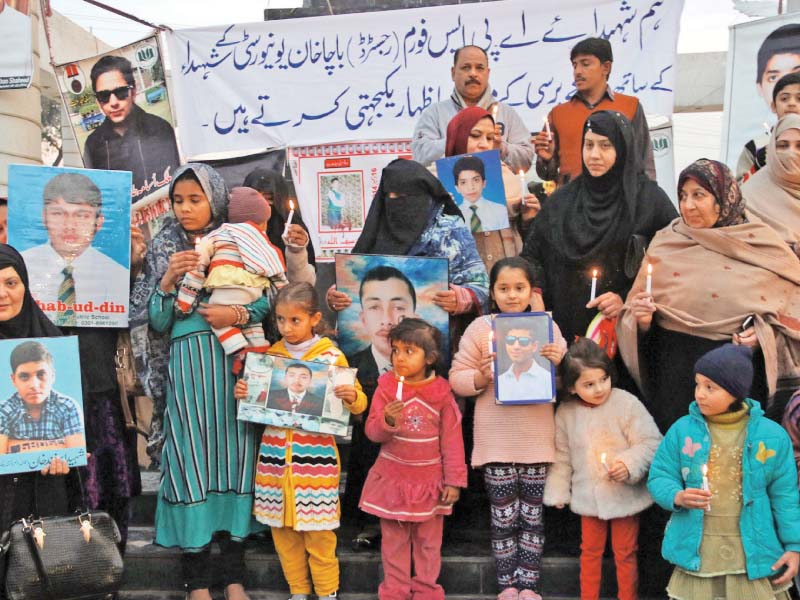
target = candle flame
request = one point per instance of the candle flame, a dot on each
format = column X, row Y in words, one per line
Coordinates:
column 402, row 378
column 705, row 470
column 291, row 205
column 649, row 269
column 603, row 458
column 521, row 172
column 594, row 274
column 197, row 240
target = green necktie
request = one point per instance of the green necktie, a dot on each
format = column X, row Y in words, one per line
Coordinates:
column 474, row 220
column 66, row 294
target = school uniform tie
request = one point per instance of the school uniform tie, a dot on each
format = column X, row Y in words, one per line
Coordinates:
column 474, row 220
column 66, row 295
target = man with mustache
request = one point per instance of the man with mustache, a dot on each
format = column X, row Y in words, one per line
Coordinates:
column 470, row 73
column 559, row 155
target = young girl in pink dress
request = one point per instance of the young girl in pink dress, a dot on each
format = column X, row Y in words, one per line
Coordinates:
column 416, row 479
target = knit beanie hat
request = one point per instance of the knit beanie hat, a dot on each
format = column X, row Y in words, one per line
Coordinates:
column 730, row 367
column 246, row 204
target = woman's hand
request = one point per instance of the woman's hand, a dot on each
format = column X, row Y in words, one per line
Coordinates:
column 643, row 308
column 530, row 207
column 609, row 304
column 618, row 471
column 791, row 560
column 747, row 338
column 295, row 236
column 180, row 263
column 446, row 300
column 337, row 300
column 553, row 352
column 693, row 498
column 544, row 147
column 392, row 411
column 218, row 315
column 240, row 390
column 347, row 394
column 57, row 466
column 450, row 494
column 138, row 250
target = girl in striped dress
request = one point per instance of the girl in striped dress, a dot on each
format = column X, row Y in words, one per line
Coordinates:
column 237, row 263
column 297, row 478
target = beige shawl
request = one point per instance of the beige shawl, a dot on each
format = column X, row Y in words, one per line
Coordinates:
column 707, row 281
column 773, row 193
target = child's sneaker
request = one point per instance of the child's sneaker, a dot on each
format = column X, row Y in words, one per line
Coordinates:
column 510, row 593
column 298, row 597
column 331, row 596
column 529, row 595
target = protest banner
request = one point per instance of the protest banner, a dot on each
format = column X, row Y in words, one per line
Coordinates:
column 72, row 227
column 370, row 75
column 16, row 45
column 335, row 184
column 41, row 404
column 759, row 54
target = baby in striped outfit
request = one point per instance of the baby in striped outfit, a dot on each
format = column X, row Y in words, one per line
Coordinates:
column 237, row 264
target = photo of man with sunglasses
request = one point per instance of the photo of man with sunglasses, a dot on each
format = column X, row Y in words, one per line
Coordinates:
column 129, row 139
column 525, row 379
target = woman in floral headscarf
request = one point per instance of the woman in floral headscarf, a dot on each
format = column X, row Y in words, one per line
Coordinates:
column 209, row 456
column 717, row 277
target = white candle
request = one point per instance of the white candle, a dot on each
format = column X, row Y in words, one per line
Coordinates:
column 197, row 244
column 523, row 185
column 706, row 487
column 400, row 387
column 767, row 129
column 547, row 129
column 603, row 461
column 489, row 349
column 289, row 218
column 495, row 108
column 594, row 285
column 649, row 284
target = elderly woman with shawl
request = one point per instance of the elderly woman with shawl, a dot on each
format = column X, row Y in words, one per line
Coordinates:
column 717, row 277
column 473, row 130
column 209, row 456
column 773, row 193
column 601, row 221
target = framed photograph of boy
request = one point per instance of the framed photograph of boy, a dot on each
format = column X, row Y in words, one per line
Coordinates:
column 384, row 290
column 73, row 228
column 476, row 183
column 41, row 404
column 286, row 392
column 522, row 374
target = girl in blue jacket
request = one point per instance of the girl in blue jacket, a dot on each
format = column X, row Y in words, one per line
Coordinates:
column 728, row 476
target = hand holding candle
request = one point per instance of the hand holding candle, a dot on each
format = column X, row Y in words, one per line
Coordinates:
column 523, row 185
column 289, row 218
column 594, row 286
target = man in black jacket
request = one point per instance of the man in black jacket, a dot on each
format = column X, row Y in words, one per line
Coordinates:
column 129, row 139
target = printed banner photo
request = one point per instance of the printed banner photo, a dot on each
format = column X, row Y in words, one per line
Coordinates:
column 286, row 392
column 314, row 80
column 72, row 227
column 384, row 290
column 41, row 404
column 16, row 45
column 522, row 374
column 476, row 183
column 118, row 106
column 335, row 184
column 760, row 53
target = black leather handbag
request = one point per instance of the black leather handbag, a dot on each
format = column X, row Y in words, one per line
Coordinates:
column 73, row 557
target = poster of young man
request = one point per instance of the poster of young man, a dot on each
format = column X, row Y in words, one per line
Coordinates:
column 286, row 392
column 72, row 227
column 522, row 374
column 476, row 183
column 41, row 406
column 384, row 290
column 119, row 109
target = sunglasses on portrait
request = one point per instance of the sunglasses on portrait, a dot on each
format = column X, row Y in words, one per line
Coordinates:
column 522, row 340
column 103, row 96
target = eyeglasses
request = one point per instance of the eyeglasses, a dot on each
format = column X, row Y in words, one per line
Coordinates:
column 103, row 96
column 521, row 340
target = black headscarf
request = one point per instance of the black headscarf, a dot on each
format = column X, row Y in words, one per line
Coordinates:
column 394, row 224
column 595, row 213
column 31, row 321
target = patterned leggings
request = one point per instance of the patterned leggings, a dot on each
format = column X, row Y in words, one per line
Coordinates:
column 515, row 496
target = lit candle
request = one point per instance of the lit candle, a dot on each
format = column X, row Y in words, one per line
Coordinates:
column 197, row 244
column 547, row 129
column 490, row 345
column 594, row 285
column 706, row 487
column 603, row 461
column 767, row 129
column 289, row 218
column 649, row 284
column 400, row 387
column 523, row 185
column 495, row 108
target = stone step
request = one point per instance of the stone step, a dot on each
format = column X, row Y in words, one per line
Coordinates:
column 266, row 595
column 467, row 569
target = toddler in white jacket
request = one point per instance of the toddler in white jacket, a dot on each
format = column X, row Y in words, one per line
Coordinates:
column 605, row 441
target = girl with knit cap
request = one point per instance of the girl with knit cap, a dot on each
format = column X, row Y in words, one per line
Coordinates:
column 237, row 263
column 728, row 476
